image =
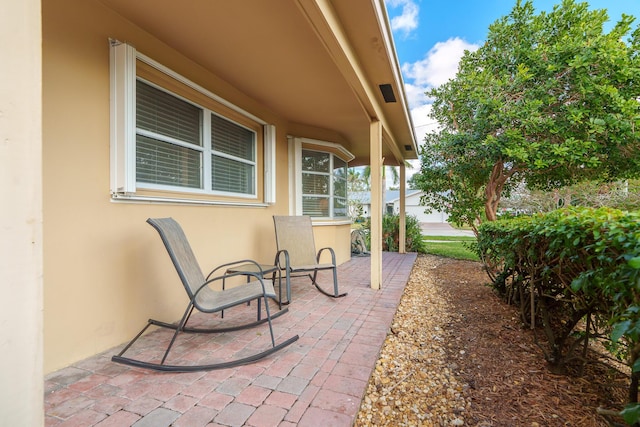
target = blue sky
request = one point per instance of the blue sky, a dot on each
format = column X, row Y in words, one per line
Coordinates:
column 431, row 36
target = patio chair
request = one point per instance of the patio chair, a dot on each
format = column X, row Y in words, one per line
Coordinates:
column 206, row 299
column 294, row 241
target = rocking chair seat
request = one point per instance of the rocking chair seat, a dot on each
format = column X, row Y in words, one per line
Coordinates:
column 210, row 301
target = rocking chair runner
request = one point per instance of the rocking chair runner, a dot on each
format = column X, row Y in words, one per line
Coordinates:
column 207, row 300
column 295, row 242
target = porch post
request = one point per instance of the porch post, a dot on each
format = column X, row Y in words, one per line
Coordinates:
column 402, row 244
column 376, row 166
column 21, row 337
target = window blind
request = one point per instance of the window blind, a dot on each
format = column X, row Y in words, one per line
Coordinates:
column 164, row 114
column 233, row 157
column 232, row 176
column 161, row 121
column 158, row 162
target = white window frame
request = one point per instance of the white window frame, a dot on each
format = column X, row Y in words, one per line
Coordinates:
column 296, row 145
column 123, row 181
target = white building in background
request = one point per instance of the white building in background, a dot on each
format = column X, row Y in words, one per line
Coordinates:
column 392, row 204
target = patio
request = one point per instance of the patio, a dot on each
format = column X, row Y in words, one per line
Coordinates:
column 322, row 376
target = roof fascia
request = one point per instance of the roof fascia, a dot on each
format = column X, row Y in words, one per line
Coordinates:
column 326, row 23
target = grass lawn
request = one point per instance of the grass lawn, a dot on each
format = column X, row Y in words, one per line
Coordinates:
column 450, row 247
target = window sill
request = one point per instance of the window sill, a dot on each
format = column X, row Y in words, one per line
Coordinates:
column 132, row 198
column 325, row 222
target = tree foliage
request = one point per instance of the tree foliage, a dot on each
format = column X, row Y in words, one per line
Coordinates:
column 624, row 195
column 549, row 100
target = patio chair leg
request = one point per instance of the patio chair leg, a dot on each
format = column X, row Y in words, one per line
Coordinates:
column 336, row 293
column 183, row 322
column 266, row 307
column 335, row 283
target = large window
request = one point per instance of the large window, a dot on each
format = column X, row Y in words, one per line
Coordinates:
column 320, row 178
column 168, row 134
column 177, row 147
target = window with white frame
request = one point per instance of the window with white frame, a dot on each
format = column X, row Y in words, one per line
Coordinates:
column 166, row 138
column 320, row 179
column 180, row 144
column 324, row 184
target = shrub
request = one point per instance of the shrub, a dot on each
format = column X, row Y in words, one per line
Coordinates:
column 391, row 233
column 569, row 266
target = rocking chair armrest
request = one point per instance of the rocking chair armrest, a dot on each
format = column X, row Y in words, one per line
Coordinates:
column 229, row 264
column 331, row 251
column 287, row 263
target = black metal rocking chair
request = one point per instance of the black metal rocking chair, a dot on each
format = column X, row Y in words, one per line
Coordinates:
column 207, row 300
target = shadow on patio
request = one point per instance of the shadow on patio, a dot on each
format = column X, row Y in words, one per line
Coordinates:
column 320, row 377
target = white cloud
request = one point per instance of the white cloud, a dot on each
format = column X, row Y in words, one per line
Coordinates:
column 439, row 64
column 407, row 21
column 422, row 123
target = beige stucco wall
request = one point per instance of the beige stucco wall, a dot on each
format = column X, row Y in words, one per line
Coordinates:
column 105, row 269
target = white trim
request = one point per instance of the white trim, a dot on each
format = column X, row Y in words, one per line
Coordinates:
column 189, row 190
column 295, row 171
column 207, row 171
column 122, row 72
column 131, row 198
column 323, row 222
column 345, row 154
column 269, row 154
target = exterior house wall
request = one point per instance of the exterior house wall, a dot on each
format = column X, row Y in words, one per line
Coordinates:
column 105, row 270
column 413, row 207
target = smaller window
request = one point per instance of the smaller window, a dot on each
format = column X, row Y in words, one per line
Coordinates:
column 324, row 184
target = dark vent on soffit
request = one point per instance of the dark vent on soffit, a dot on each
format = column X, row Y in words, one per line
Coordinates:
column 387, row 93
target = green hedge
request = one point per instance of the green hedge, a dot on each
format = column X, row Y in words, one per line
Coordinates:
column 575, row 275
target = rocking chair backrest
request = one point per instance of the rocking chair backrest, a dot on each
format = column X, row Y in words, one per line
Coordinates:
column 180, row 252
column 295, row 234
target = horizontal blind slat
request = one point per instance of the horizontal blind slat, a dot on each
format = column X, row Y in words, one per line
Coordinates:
column 158, row 162
column 162, row 113
column 232, row 176
column 229, row 138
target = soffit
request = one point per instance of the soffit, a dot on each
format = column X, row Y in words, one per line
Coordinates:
column 273, row 53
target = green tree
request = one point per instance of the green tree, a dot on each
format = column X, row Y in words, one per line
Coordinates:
column 356, row 180
column 549, row 100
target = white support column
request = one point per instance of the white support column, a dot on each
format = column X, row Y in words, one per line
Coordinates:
column 402, row 244
column 375, row 178
column 21, row 377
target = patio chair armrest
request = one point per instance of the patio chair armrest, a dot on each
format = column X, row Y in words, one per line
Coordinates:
column 230, row 264
column 286, row 259
column 331, row 251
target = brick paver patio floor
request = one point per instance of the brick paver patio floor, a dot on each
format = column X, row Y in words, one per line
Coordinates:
column 318, row 380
